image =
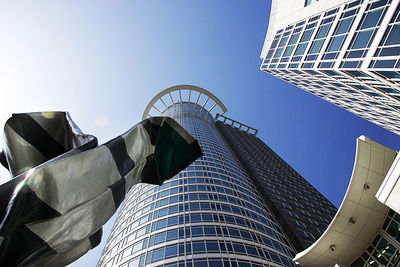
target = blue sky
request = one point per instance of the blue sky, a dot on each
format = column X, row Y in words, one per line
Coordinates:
column 103, row 61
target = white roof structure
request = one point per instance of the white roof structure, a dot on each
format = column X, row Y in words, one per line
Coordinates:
column 360, row 215
column 183, row 93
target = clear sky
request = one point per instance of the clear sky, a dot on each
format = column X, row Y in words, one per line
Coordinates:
column 103, row 61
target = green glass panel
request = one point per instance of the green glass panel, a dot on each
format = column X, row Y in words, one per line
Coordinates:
column 394, row 230
column 358, row 263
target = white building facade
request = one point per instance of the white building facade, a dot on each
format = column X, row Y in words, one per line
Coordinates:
column 366, row 229
column 346, row 52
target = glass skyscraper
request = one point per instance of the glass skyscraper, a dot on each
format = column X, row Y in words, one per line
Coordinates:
column 346, row 52
column 214, row 213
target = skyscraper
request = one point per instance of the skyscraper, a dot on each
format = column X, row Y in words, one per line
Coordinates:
column 227, row 209
column 300, row 209
column 346, row 52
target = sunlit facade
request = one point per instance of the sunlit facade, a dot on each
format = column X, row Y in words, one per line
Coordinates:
column 365, row 231
column 211, row 214
column 346, row 52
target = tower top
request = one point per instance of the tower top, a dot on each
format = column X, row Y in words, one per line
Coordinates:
column 183, row 94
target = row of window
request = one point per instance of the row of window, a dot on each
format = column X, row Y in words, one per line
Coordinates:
column 193, row 218
column 209, row 201
column 294, row 47
column 204, row 262
column 202, row 247
column 362, row 102
column 217, row 171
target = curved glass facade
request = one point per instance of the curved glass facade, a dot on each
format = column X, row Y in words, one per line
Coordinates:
column 208, row 215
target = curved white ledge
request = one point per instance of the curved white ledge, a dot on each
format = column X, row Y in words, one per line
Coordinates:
column 360, row 215
column 180, row 89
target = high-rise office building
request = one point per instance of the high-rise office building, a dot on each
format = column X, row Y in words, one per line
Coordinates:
column 300, row 209
column 237, row 205
column 346, row 52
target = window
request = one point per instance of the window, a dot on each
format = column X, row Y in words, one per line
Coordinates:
column 158, row 254
column 307, row 2
column 171, row 251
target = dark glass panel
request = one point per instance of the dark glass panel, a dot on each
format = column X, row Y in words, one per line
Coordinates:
column 385, row 63
column 300, row 49
column 323, row 31
column 294, row 38
column 372, row 18
column 389, row 74
column 316, row 46
column 306, row 35
column 336, row 43
column 355, row 54
column 343, row 26
column 394, row 36
column 362, row 39
column 158, row 254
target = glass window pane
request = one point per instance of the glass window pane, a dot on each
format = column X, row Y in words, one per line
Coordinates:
column 239, row 248
column 385, row 64
column 372, row 18
column 160, row 237
column 306, row 35
column 198, row 247
column 394, row 229
column 172, row 234
column 283, row 41
column 288, row 51
column 294, row 38
column 158, row 254
column 212, row 246
column 336, row 43
column 344, row 26
column 316, row 46
column 362, row 39
column 278, row 52
column 394, row 37
column 197, row 231
column 390, row 74
column 301, row 48
column 171, row 251
column 323, row 31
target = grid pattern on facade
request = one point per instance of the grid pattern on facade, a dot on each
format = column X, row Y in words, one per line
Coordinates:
column 384, row 250
column 303, row 211
column 348, row 55
column 208, row 215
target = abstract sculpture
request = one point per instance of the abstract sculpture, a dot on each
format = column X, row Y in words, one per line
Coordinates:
column 65, row 187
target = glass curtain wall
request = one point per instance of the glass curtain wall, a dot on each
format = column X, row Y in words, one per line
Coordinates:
column 208, row 215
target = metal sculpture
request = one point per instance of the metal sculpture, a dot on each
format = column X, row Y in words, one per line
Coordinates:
column 66, row 187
